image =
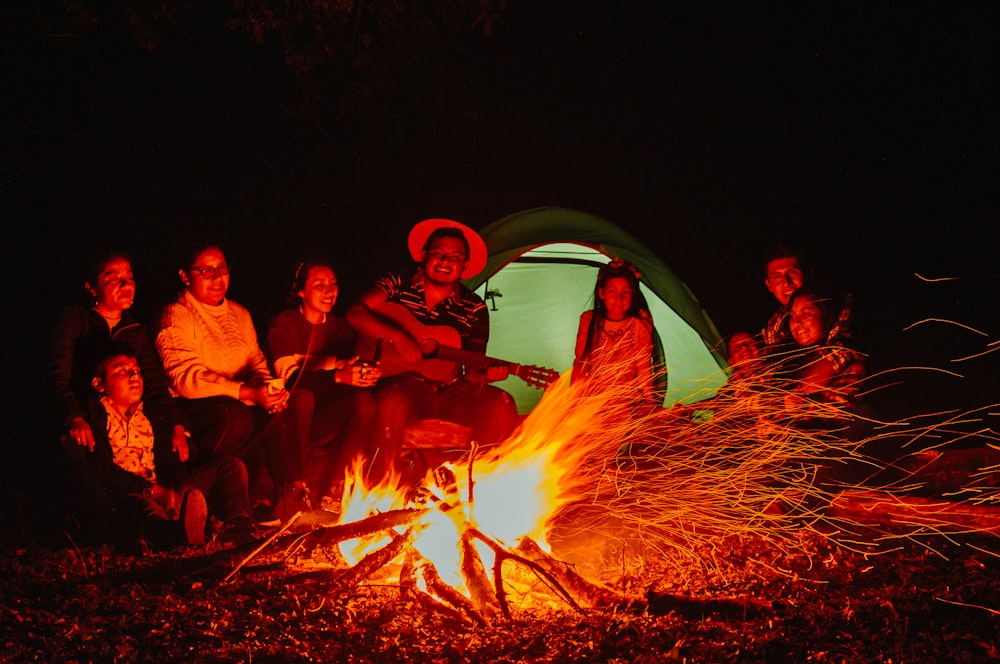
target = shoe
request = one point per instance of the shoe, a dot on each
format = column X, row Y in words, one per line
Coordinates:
column 194, row 514
column 240, row 530
column 292, row 497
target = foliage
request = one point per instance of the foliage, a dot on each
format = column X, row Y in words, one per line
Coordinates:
column 344, row 55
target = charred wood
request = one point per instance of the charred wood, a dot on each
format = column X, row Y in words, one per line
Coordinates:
column 586, row 592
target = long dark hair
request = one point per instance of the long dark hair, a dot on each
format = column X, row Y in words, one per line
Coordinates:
column 639, row 309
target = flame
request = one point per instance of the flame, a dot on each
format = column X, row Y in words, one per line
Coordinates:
column 511, row 492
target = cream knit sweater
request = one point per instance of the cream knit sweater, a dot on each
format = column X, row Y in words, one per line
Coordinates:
column 209, row 351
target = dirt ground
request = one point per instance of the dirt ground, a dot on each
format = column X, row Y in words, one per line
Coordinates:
column 742, row 601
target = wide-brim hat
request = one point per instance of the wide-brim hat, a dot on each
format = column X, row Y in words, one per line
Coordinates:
column 477, row 247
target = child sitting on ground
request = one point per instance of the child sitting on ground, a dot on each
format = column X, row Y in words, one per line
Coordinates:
column 141, row 483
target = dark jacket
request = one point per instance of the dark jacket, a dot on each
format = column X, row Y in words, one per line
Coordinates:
column 80, row 337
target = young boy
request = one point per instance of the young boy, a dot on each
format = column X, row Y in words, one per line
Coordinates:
column 138, row 464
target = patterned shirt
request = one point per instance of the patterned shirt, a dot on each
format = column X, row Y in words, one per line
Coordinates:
column 463, row 311
column 131, row 440
column 776, row 334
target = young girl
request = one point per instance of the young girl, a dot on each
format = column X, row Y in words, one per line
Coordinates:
column 312, row 350
column 614, row 342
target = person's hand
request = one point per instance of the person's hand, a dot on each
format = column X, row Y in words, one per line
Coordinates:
column 168, row 499
column 358, row 374
column 323, row 362
column 179, row 443
column 406, row 347
column 80, row 433
column 271, row 400
column 496, row 372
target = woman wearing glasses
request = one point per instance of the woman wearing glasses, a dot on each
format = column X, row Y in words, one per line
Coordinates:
column 208, row 346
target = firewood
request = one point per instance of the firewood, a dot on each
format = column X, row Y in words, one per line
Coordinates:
column 436, row 585
column 870, row 506
column 476, row 580
column 375, row 560
column 452, row 616
column 263, row 545
column 659, row 604
column 503, row 555
column 326, row 535
column 587, row 592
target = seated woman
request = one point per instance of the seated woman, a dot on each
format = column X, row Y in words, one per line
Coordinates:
column 85, row 332
column 822, row 388
column 209, row 349
column 312, row 350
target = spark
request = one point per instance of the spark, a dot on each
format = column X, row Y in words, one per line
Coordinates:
column 933, row 279
column 946, row 321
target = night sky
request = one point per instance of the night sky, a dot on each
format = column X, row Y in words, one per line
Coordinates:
column 867, row 135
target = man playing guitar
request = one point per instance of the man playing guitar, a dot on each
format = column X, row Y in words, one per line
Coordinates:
column 447, row 252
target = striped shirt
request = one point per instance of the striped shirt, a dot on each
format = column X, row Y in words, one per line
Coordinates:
column 463, row 311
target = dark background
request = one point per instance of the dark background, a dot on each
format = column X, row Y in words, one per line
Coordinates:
column 866, row 135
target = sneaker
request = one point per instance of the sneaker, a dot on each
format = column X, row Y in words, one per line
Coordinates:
column 194, row 513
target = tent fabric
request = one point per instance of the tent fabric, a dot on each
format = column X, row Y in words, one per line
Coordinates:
column 540, row 277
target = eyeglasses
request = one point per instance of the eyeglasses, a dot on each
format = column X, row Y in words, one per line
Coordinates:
column 211, row 272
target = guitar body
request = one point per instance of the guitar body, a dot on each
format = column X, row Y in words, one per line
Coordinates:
column 428, row 337
column 441, row 346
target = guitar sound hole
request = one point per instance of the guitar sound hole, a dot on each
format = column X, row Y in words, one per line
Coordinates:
column 428, row 347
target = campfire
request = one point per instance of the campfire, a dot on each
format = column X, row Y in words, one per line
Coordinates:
column 565, row 510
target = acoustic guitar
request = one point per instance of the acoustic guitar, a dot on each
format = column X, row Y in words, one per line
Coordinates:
column 443, row 356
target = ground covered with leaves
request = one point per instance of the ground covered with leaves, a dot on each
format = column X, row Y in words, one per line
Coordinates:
column 744, row 601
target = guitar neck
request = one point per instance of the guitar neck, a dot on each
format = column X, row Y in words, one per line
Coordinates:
column 471, row 359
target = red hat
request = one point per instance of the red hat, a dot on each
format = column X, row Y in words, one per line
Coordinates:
column 477, row 248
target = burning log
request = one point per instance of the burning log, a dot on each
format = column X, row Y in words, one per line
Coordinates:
column 502, row 555
column 476, row 580
column 375, row 560
column 438, row 587
column 327, row 535
column 589, row 593
column 659, row 604
column 453, row 616
column 890, row 509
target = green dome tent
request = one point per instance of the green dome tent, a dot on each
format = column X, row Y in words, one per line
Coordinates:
column 540, row 277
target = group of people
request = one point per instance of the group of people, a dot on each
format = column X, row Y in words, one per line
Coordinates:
column 188, row 425
column 805, row 346
column 191, row 427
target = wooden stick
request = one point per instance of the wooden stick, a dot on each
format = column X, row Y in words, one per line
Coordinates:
column 590, row 593
column 431, row 604
column 475, row 577
column 375, row 560
column 503, row 554
column 367, row 526
column 438, row 587
column 264, row 545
